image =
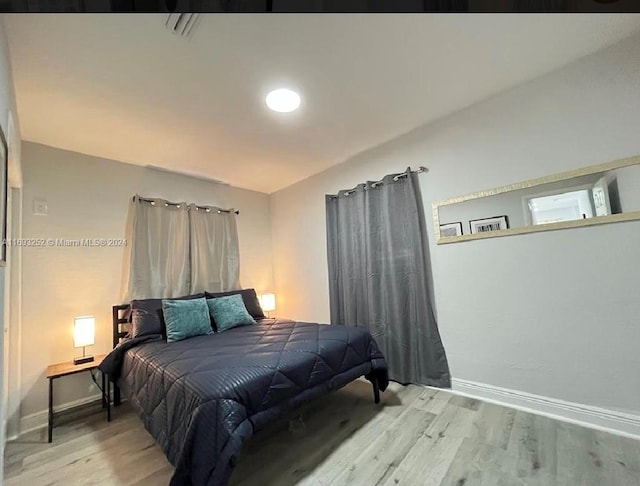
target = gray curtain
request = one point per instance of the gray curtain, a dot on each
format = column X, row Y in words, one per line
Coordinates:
column 378, row 278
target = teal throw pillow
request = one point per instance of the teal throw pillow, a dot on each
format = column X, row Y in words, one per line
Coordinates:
column 186, row 318
column 229, row 312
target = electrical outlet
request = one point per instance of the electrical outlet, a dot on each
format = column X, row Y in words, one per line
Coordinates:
column 40, row 207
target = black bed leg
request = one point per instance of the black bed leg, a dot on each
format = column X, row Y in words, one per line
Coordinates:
column 116, row 395
column 376, row 389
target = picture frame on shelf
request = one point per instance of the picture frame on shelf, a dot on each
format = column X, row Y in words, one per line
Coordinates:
column 451, row 229
column 484, row 225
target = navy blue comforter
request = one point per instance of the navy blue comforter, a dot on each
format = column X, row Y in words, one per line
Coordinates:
column 201, row 398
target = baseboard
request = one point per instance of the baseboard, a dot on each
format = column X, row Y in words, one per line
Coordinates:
column 619, row 423
column 40, row 419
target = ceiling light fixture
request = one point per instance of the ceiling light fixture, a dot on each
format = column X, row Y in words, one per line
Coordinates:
column 283, row 100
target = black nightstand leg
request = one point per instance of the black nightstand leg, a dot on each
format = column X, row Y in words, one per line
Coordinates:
column 50, row 409
column 108, row 399
column 104, row 391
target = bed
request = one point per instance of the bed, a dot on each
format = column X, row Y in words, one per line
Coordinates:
column 203, row 397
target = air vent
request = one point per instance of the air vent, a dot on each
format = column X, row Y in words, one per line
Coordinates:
column 182, row 24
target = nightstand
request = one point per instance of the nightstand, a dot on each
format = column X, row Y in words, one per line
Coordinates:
column 68, row 368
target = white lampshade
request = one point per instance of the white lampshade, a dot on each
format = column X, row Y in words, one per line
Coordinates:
column 84, row 330
column 268, row 302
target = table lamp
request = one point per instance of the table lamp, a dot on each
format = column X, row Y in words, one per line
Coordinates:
column 84, row 329
column 268, row 302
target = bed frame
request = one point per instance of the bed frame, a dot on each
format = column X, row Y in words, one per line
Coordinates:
column 121, row 325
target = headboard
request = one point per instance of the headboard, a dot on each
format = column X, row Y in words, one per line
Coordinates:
column 120, row 322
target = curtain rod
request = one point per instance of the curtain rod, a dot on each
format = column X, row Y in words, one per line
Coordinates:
column 419, row 170
column 169, row 203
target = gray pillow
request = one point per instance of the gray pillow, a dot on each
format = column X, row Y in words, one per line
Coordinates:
column 147, row 318
column 229, row 312
column 186, row 318
column 249, row 297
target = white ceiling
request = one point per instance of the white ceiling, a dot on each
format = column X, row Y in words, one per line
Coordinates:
column 124, row 88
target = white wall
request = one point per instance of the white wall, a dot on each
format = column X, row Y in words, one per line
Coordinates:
column 553, row 314
column 10, row 128
column 88, row 197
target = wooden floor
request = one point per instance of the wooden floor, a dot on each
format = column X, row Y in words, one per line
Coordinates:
column 417, row 436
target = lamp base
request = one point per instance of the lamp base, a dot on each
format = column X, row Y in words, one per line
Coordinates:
column 82, row 359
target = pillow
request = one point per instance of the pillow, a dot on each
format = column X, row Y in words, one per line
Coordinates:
column 186, row 318
column 144, row 323
column 229, row 312
column 249, row 298
column 147, row 318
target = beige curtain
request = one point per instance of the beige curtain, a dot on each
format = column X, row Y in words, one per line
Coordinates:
column 215, row 259
column 176, row 249
column 157, row 262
